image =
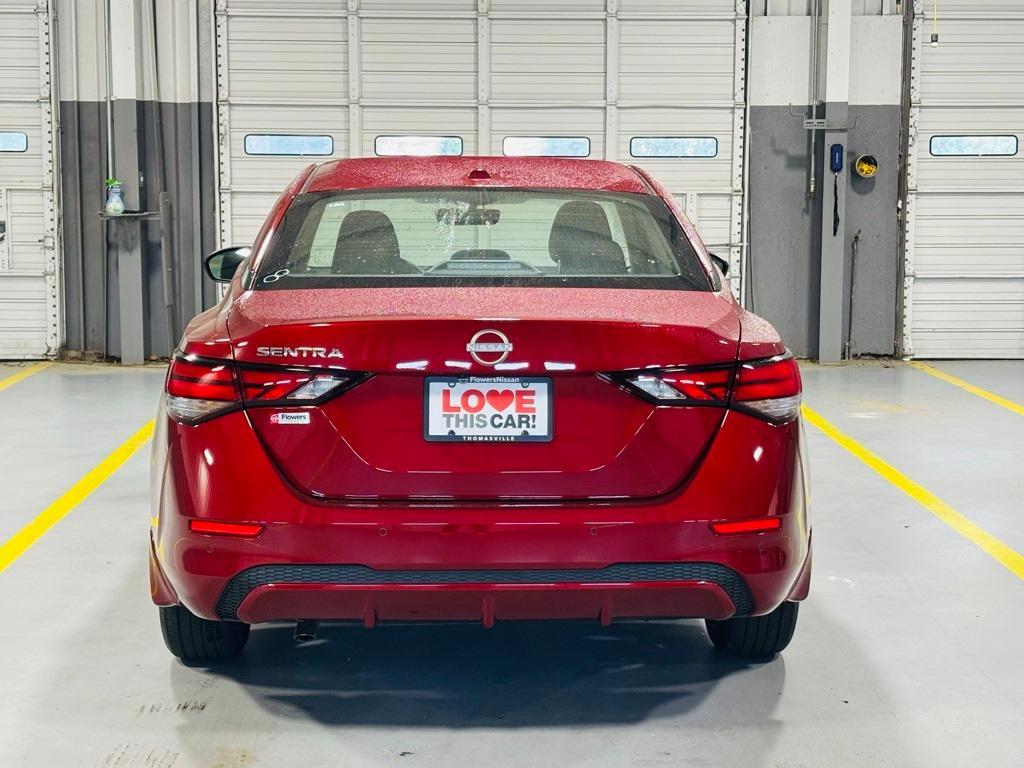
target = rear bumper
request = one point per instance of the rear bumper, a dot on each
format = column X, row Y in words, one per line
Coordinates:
column 355, row 592
column 478, row 562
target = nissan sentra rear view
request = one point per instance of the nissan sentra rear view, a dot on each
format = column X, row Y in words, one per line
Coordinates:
column 477, row 389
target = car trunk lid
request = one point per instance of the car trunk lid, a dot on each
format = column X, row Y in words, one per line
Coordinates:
column 372, row 442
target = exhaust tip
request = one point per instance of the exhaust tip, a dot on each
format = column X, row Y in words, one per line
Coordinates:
column 306, row 630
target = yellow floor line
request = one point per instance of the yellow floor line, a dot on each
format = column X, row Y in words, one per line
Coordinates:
column 23, row 374
column 1009, row 558
column 957, row 382
column 16, row 546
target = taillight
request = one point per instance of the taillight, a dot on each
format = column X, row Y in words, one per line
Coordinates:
column 261, row 386
column 691, row 386
column 769, row 388
column 200, row 388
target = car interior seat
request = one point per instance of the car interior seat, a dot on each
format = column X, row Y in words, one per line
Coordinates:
column 581, row 241
column 367, row 245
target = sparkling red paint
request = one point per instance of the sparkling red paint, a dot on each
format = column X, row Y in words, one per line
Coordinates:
column 624, row 481
column 533, row 173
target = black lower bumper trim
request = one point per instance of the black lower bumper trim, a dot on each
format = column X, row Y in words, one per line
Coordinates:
column 623, row 573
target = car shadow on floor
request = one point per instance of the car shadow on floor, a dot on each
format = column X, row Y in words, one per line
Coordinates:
column 515, row 675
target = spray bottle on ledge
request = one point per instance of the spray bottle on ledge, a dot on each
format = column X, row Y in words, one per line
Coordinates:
column 115, row 200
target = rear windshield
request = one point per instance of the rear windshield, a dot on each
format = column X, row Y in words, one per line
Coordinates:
column 472, row 236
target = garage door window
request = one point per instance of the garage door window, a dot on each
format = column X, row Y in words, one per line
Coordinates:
column 419, row 146
column 287, row 144
column 673, row 146
column 12, row 141
column 972, row 146
column 546, row 146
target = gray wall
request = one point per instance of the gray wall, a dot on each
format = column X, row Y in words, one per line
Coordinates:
column 871, row 211
column 785, row 225
column 785, row 228
column 91, row 245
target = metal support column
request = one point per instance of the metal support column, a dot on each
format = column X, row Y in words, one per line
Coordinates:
column 833, row 209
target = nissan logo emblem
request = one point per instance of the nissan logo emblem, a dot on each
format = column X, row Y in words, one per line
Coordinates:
column 494, row 344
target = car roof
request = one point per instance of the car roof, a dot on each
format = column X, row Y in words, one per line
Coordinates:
column 448, row 171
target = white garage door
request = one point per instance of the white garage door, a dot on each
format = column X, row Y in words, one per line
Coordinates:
column 608, row 77
column 964, row 290
column 29, row 308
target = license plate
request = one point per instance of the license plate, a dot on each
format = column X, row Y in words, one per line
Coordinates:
column 487, row 409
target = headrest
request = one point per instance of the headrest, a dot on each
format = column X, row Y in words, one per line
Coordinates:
column 581, row 241
column 367, row 245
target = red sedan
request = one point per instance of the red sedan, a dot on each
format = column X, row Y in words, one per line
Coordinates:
column 477, row 389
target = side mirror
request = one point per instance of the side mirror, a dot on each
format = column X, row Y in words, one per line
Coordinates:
column 221, row 265
column 721, row 263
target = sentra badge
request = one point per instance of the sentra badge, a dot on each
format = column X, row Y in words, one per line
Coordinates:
column 299, row 352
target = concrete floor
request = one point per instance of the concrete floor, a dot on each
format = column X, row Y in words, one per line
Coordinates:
column 907, row 654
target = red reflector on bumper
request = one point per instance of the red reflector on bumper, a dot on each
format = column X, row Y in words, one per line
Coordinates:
column 748, row 526
column 225, row 529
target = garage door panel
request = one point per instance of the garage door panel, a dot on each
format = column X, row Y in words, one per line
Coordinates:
column 248, row 210
column 416, row 6
column 23, row 169
column 691, row 8
column 291, row 119
column 678, row 121
column 977, row 318
column 983, row 344
column 443, row 121
column 966, row 173
column 23, row 317
column 26, row 225
column 685, row 174
column 990, row 261
column 691, row 60
column 273, row 171
column 268, row 174
column 965, row 263
column 19, row 55
column 525, row 52
column 418, row 58
column 277, row 8
column 980, row 61
column 953, row 204
column 549, row 122
column 945, row 119
column 545, row 120
column 976, row 228
column 288, row 59
column 969, row 221
column 540, row 7
column 713, row 217
column 681, row 174
column 29, row 267
column 706, row 179
column 443, row 86
column 962, row 87
column 989, row 9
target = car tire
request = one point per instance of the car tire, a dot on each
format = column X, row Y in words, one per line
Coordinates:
column 193, row 639
column 755, row 636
